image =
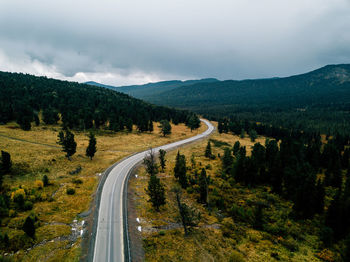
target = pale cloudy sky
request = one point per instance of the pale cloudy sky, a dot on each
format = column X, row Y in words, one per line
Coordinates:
column 122, row 42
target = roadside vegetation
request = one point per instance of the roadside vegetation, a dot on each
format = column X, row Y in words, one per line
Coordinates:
column 47, row 187
column 241, row 208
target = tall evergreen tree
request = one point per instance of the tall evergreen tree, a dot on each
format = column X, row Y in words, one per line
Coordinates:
column 162, row 159
column 227, row 161
column 208, row 153
column 29, row 227
column 180, row 170
column 236, row 148
column 91, row 149
column 156, row 192
column 66, row 140
column 6, row 162
column 253, row 135
column 203, row 187
column 150, row 125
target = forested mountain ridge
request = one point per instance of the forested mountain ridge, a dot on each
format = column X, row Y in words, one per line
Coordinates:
column 80, row 106
column 324, row 86
column 151, row 89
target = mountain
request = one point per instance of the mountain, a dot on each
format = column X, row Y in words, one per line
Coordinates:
column 153, row 89
column 317, row 100
column 327, row 85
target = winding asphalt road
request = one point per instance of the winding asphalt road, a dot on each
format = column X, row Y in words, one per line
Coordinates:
column 110, row 242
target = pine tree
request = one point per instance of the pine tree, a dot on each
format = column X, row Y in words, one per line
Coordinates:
column 6, row 162
column 156, row 192
column 220, row 127
column 165, row 127
column 66, row 140
column 45, row 180
column 203, row 187
column 253, row 135
column 180, row 170
column 193, row 122
column 29, row 227
column 150, row 125
column 162, row 159
column 91, row 149
column 242, row 135
column 227, row 161
column 208, row 153
column 236, row 148
column 128, row 124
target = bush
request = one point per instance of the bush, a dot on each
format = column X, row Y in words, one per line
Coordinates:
column 45, row 180
column 162, row 233
column 70, row 191
column 77, row 181
column 39, row 184
column 236, row 257
column 28, row 205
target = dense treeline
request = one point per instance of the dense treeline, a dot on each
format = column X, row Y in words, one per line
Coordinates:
column 78, row 106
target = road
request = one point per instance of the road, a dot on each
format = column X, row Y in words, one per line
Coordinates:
column 109, row 243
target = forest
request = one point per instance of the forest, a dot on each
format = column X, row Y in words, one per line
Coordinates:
column 78, row 106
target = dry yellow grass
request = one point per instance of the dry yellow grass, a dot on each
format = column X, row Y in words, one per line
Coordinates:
column 44, row 156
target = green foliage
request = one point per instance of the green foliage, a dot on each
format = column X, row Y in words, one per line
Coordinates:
column 180, row 170
column 45, row 180
column 227, row 161
column 29, row 227
column 203, row 187
column 162, row 159
column 91, row 149
column 50, row 116
column 80, row 106
column 208, row 153
column 193, row 122
column 28, row 205
column 253, row 135
column 66, row 140
column 236, row 148
column 70, row 191
column 5, row 162
column 165, row 127
column 156, row 192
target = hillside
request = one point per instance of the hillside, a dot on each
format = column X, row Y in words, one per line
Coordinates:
column 325, row 86
column 80, row 106
column 151, row 89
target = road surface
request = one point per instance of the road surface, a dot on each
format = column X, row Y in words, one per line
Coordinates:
column 109, row 243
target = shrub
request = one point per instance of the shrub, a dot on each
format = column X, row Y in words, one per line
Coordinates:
column 39, row 184
column 162, row 233
column 18, row 197
column 28, row 205
column 45, row 180
column 12, row 213
column 236, row 257
column 77, row 181
column 70, row 191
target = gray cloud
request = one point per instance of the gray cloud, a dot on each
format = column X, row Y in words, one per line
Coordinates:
column 136, row 41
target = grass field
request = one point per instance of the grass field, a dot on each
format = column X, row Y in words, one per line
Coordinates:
column 218, row 237
column 35, row 154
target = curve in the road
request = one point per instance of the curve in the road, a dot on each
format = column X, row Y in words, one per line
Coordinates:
column 109, row 241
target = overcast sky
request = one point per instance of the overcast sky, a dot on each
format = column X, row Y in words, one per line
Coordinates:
column 122, row 42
